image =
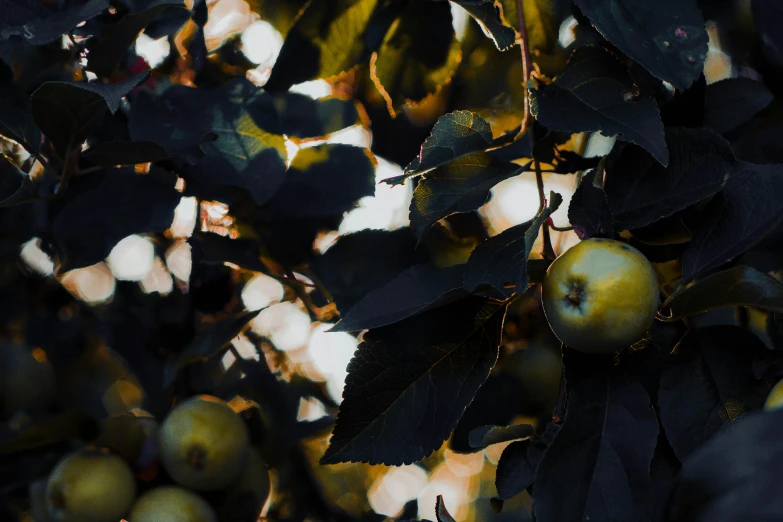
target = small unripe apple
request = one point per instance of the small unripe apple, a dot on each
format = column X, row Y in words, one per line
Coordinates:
column 775, row 397
column 600, row 296
column 246, row 497
column 204, row 444
column 90, row 486
column 172, row 504
column 27, row 382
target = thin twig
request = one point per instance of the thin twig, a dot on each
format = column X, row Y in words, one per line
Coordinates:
column 560, row 229
column 315, row 312
column 527, row 66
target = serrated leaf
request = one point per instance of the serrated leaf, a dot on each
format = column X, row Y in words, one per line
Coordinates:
column 462, row 185
column 738, row 286
column 363, row 261
column 16, row 117
column 729, row 479
column 641, row 191
column 593, row 93
column 68, row 112
column 488, row 14
column 101, row 209
column 519, row 461
column 441, row 513
column 414, row 291
column 325, row 180
column 245, row 155
column 736, row 219
column 409, row 383
column 731, row 102
column 15, row 186
column 39, row 25
column 503, row 258
column 589, row 211
column 453, row 136
column 669, row 38
column 418, row 55
column 107, row 50
column 209, row 344
column 712, row 385
column 326, row 40
column 598, row 465
column 485, row 436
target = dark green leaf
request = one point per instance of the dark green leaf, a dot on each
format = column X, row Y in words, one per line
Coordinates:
column 595, row 93
column 299, row 116
column 711, row 385
column 107, row 50
column 15, row 186
column 16, row 117
column 326, row 40
column 38, row 25
column 462, row 185
column 738, row 286
column 361, row 262
column 489, row 15
column 598, row 465
column 68, row 425
column 419, row 54
column 68, row 112
column 641, row 191
column 730, row 103
column 589, row 211
column 126, row 153
column 503, row 258
column 101, row 209
column 209, row 344
column 736, row 219
column 414, row 291
column 441, row 513
column 485, row 436
column 668, row 38
column 519, row 461
column 409, row 383
column 454, row 135
column 216, row 249
column 246, row 155
column 326, row 180
column 732, row 477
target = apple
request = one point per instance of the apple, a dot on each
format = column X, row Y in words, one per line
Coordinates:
column 204, row 445
column 27, row 382
column 246, row 497
column 600, row 296
column 172, row 504
column 90, row 485
column 775, row 397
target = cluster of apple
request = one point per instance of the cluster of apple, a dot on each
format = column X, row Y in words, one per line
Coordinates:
column 204, row 447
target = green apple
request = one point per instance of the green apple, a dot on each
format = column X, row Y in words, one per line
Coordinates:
column 246, row 497
column 26, row 381
column 172, row 504
column 204, row 444
column 90, row 486
column 775, row 397
column 600, row 296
